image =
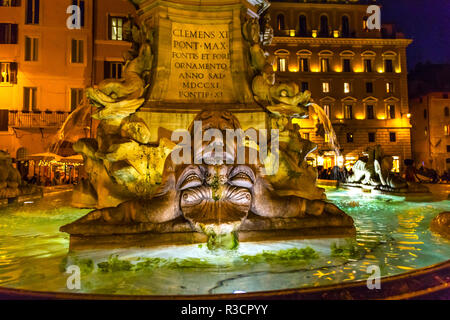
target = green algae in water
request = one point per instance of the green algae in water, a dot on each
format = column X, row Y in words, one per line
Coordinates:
column 86, row 266
column 114, row 264
column 226, row 241
column 348, row 251
column 282, row 256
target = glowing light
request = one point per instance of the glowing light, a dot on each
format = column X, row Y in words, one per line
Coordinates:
column 359, row 116
column 382, row 117
column 380, row 70
column 408, row 115
column 293, row 69
column 320, row 161
column 28, row 202
column 314, row 33
column 292, row 33
column 340, row 161
column 338, row 69
column 336, row 33
column 238, row 292
column 347, row 87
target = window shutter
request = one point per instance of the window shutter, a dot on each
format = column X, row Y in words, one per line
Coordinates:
column 13, row 70
column 29, row 15
column 4, row 114
column 14, row 33
column 36, row 12
column 107, row 71
column 82, row 12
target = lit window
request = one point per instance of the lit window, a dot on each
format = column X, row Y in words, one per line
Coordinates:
column 306, row 136
column 77, row 51
column 325, row 65
column 304, row 65
column 282, row 64
column 348, row 112
column 391, row 111
column 327, row 138
column 396, row 165
column 31, row 49
column 389, row 87
column 447, row 130
column 347, row 87
column 325, row 87
column 116, row 28
column 8, row 73
column 327, row 110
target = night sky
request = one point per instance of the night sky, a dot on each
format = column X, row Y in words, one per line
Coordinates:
column 425, row 21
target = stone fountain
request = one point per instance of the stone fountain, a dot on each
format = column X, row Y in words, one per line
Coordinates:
column 374, row 173
column 11, row 184
column 197, row 67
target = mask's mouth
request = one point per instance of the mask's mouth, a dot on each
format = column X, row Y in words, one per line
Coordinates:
column 219, row 213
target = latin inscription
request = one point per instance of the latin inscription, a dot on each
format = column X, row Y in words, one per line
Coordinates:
column 200, row 67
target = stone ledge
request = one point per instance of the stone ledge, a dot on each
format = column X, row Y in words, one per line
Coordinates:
column 179, row 232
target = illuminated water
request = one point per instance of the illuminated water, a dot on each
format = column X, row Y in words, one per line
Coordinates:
column 392, row 234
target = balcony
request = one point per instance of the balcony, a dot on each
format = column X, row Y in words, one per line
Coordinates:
column 37, row 119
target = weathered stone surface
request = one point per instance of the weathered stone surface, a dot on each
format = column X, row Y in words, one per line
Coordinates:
column 208, row 57
column 441, row 224
column 11, row 183
column 376, row 171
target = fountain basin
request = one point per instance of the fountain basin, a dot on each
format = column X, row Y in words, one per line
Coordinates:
column 390, row 233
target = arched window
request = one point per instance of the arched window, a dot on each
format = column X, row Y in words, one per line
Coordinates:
column 281, row 24
column 324, row 32
column 302, row 26
column 345, row 27
column 446, row 112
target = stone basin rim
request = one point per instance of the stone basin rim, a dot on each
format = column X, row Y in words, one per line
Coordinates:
column 336, row 291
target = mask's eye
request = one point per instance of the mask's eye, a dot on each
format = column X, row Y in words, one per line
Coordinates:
column 191, row 181
column 242, row 176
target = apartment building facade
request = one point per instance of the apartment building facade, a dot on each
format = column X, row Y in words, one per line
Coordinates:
column 45, row 65
column 358, row 76
column 431, row 130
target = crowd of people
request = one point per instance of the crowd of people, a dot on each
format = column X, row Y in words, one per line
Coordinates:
column 411, row 174
column 58, row 179
column 335, row 173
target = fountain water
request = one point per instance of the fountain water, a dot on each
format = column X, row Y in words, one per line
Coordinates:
column 145, row 199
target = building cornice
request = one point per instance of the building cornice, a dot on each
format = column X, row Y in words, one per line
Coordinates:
column 315, row 5
column 342, row 41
